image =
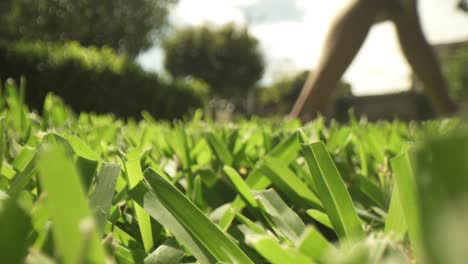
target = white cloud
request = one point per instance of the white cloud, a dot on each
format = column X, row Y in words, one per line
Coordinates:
column 195, row 12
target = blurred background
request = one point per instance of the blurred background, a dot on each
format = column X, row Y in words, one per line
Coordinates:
column 250, row 57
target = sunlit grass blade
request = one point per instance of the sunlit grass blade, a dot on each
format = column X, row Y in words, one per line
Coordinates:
column 87, row 160
column 24, row 164
column 15, row 225
column 253, row 227
column 241, row 187
column 407, row 192
column 168, row 253
column 81, row 148
column 441, row 176
column 395, row 222
column 135, row 175
column 256, row 180
column 122, row 237
column 188, row 223
column 197, row 193
column 287, row 151
column 274, row 252
column 314, row 245
column 68, row 207
column 320, row 217
column 23, row 158
column 372, row 191
column 219, row 148
column 177, row 140
column 124, row 255
column 288, row 183
column 101, row 196
column 332, row 192
column 2, row 138
column 284, row 218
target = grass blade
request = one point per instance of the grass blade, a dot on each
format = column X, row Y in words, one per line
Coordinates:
column 405, row 182
column 332, row 192
column 275, row 252
column 320, row 217
column 285, row 219
column 288, row 183
column 134, row 176
column 101, row 197
column 15, row 225
column 220, row 149
column 184, row 219
column 147, row 199
column 167, row 253
column 241, row 187
column 395, row 222
column 67, row 206
column 314, row 245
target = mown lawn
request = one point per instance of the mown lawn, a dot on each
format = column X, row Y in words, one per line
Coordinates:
column 94, row 189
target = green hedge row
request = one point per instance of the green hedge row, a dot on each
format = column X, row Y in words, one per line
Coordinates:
column 96, row 80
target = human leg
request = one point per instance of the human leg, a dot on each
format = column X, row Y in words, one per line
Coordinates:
column 422, row 58
column 344, row 39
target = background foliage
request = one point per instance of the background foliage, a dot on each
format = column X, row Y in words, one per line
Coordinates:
column 127, row 26
column 97, row 79
column 227, row 58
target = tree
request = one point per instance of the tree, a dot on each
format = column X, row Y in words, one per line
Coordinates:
column 127, row 26
column 227, row 58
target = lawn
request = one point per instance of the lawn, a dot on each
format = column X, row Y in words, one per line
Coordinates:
column 86, row 188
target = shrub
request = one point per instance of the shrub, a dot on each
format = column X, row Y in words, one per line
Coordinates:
column 97, row 80
column 227, row 58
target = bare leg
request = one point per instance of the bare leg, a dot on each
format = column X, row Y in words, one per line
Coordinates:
column 422, row 58
column 346, row 36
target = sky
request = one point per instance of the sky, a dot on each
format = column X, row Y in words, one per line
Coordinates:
column 292, row 33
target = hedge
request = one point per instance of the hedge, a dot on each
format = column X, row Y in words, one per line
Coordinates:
column 96, row 80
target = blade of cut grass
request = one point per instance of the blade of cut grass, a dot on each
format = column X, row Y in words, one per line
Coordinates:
column 285, row 219
column 275, row 252
column 220, row 149
column 167, row 253
column 286, row 150
column 373, row 191
column 87, row 161
column 241, row 187
column 67, row 206
column 184, row 219
column 22, row 178
column 289, row 184
column 441, row 176
column 314, row 245
column 320, row 217
column 101, row 197
column 332, row 192
column 23, row 159
column 134, row 176
column 395, row 222
column 126, row 256
column 405, row 182
column 15, row 225
column 177, row 140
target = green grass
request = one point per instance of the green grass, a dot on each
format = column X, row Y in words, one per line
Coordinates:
column 95, row 189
